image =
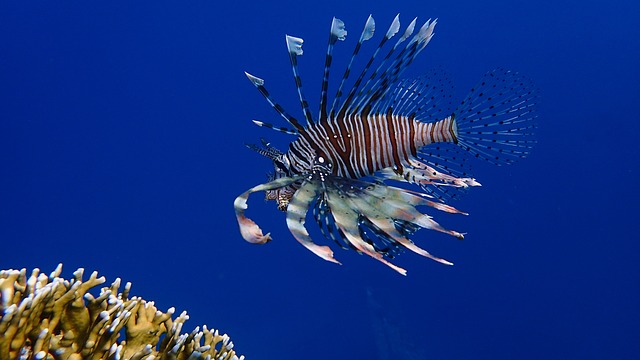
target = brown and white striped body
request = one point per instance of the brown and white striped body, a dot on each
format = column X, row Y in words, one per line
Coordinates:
column 358, row 145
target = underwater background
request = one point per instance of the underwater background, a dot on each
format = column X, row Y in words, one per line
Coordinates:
column 122, row 132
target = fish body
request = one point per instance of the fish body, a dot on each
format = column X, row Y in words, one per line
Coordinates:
column 360, row 145
column 386, row 128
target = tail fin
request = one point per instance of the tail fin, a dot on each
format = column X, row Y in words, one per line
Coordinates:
column 496, row 121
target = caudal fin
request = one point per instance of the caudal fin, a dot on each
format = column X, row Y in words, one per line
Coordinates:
column 496, row 121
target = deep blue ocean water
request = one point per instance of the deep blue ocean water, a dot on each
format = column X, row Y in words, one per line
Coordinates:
column 122, row 127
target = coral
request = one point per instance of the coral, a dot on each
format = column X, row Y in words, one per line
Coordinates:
column 48, row 317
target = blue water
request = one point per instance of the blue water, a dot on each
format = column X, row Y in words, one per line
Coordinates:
column 122, row 127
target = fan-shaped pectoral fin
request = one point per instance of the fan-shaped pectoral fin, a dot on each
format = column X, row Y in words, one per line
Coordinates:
column 296, row 217
column 416, row 198
column 369, row 206
column 250, row 231
column 425, row 174
column 396, row 206
column 346, row 215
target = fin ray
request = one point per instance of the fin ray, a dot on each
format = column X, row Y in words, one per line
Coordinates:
column 276, row 128
column 294, row 45
column 338, row 32
column 428, row 98
column 367, row 33
column 259, row 84
column 296, row 215
column 496, row 121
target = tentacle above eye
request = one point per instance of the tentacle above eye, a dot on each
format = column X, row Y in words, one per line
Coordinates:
column 250, row 231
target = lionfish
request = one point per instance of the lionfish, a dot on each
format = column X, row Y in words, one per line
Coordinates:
column 386, row 128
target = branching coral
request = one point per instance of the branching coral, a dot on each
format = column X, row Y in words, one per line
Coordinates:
column 48, row 317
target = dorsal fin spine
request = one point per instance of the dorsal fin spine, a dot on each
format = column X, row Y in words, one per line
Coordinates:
column 338, row 32
column 259, row 84
column 367, row 90
column 294, row 45
column 393, row 29
column 367, row 33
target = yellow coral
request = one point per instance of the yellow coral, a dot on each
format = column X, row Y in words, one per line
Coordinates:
column 48, row 317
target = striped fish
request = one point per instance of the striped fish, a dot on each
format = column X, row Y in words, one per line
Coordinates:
column 383, row 127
